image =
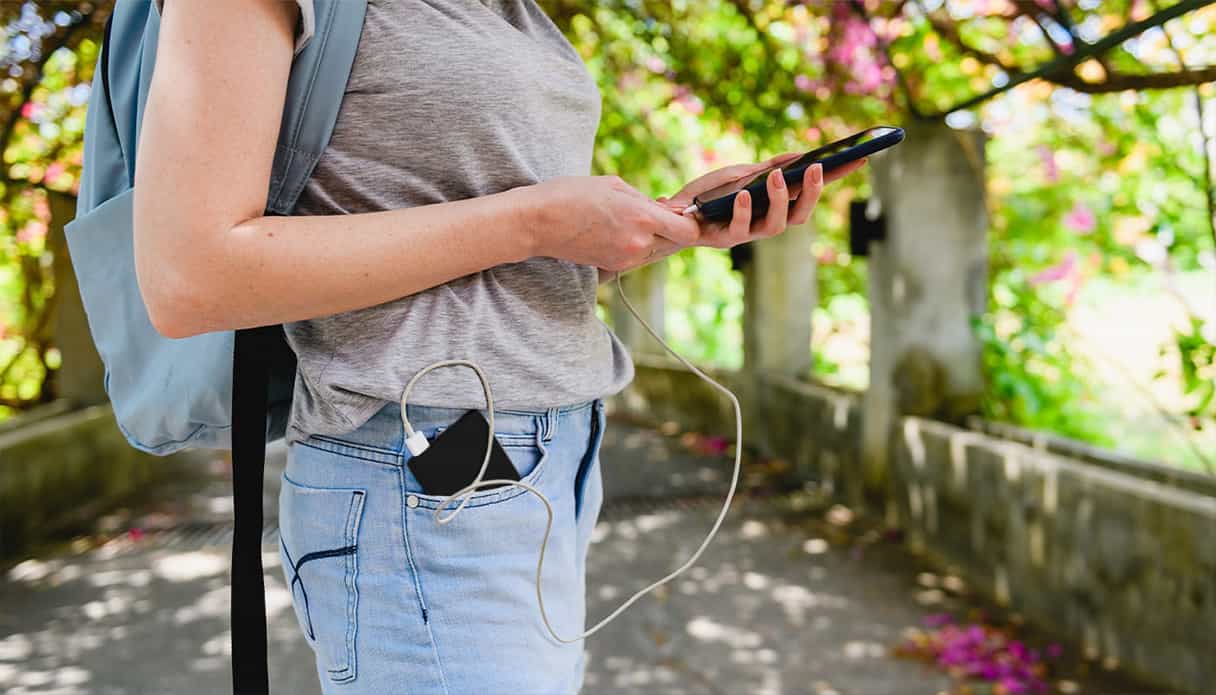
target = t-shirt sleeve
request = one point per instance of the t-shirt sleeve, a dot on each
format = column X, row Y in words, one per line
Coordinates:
column 305, row 28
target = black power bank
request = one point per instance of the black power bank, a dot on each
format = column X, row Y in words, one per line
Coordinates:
column 451, row 462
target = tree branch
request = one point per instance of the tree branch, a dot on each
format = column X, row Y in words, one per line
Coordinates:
column 1119, row 81
column 1065, row 65
column 1114, row 82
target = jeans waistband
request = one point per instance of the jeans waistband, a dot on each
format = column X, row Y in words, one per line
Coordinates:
column 385, row 431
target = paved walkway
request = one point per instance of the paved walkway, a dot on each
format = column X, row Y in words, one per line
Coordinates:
column 783, row 602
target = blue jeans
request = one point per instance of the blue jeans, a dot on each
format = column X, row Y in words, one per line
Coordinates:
column 392, row 602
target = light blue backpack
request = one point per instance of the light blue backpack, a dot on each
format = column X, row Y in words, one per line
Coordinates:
column 219, row 390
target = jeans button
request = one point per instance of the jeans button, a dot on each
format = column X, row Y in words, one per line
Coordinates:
column 412, row 501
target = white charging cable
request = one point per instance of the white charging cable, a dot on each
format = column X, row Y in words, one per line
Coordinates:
column 417, row 443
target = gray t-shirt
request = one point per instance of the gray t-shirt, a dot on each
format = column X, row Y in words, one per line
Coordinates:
column 447, row 100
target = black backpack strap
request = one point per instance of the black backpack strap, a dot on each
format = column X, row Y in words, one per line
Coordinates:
column 250, row 383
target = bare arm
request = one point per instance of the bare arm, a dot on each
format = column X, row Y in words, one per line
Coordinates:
column 208, row 259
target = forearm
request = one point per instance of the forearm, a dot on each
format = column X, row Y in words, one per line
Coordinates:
column 276, row 269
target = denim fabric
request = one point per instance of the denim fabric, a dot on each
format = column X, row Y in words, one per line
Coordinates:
column 391, row 602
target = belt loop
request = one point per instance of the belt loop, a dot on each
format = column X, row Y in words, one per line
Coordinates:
column 550, row 423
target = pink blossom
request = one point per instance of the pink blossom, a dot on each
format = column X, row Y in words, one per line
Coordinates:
column 1050, row 169
column 1074, row 290
column 1057, row 272
column 1080, row 219
column 937, row 620
column 716, row 445
column 34, row 230
column 691, row 104
column 53, row 171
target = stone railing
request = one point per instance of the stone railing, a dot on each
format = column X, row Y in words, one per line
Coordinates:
column 1118, row 564
column 62, row 466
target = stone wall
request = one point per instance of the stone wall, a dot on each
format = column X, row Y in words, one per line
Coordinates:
column 1122, row 565
column 61, row 467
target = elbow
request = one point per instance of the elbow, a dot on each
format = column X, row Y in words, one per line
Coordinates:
column 173, row 298
column 170, row 323
column 169, row 315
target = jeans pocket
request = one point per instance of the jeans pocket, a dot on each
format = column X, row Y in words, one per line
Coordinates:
column 318, row 542
column 528, row 453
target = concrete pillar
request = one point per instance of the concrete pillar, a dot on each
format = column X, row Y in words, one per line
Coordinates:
column 927, row 281
column 644, row 287
column 779, row 296
column 80, row 379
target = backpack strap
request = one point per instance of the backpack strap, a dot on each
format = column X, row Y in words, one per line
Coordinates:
column 314, row 97
column 250, row 384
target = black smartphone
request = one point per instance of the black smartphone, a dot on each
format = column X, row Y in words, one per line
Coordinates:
column 452, row 460
column 718, row 204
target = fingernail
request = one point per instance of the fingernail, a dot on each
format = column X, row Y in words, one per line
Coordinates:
column 745, row 198
column 778, row 179
column 817, row 174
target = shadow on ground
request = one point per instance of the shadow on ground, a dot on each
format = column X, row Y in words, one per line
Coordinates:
column 782, row 602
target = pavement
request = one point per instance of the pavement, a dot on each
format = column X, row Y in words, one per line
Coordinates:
column 795, row 596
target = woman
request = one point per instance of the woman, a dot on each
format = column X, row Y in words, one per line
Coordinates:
column 451, row 217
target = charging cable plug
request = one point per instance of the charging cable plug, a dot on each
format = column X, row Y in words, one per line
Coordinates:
column 416, row 443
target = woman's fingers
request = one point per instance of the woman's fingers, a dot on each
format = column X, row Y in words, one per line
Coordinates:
column 681, row 229
column 812, row 188
column 778, row 209
column 741, row 219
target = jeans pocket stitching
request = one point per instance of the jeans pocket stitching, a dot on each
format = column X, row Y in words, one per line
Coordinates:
column 349, row 553
column 350, row 450
column 599, row 425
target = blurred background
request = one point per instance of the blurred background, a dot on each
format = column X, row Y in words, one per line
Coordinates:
column 991, row 354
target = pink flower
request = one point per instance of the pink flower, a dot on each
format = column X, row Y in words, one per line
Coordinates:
column 53, row 171
column 1050, row 169
column 716, row 445
column 1080, row 219
column 1014, row 686
column 937, row 620
column 34, row 230
column 1057, row 272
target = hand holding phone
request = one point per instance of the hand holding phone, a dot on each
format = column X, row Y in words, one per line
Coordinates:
column 717, row 204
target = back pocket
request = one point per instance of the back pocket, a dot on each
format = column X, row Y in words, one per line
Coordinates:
column 318, row 542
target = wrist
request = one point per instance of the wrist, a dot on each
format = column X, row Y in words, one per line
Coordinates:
column 527, row 210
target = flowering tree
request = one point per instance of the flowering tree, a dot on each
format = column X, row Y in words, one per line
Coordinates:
column 47, row 63
column 1084, row 180
column 1099, row 163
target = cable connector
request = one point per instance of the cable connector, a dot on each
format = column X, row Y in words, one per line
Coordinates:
column 417, row 443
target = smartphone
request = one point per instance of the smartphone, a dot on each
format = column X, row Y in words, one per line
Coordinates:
column 718, row 204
